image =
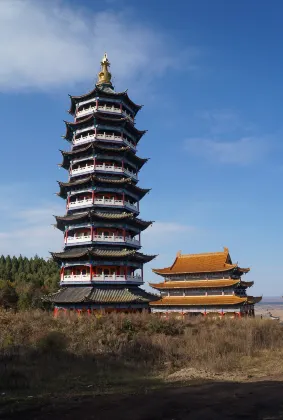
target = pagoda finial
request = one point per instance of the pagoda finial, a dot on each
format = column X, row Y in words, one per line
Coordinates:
column 104, row 76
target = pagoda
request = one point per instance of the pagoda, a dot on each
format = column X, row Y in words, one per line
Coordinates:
column 204, row 284
column 101, row 264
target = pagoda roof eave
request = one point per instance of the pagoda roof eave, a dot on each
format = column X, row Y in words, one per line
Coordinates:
column 195, row 284
column 118, row 122
column 77, row 253
column 202, row 301
column 167, row 271
column 247, row 283
column 254, row 299
column 103, row 294
column 210, row 262
column 74, row 99
column 121, row 151
column 127, row 182
column 96, row 215
column 243, row 270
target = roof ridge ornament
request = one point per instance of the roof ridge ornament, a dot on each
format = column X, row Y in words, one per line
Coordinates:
column 104, row 76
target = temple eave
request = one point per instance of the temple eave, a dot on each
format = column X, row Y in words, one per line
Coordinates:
column 196, row 284
column 102, row 295
column 201, row 301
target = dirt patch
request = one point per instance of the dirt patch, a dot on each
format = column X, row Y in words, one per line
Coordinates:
column 261, row 400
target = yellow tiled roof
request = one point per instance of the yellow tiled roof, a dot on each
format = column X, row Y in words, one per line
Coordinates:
column 200, row 263
column 200, row 300
column 194, row 284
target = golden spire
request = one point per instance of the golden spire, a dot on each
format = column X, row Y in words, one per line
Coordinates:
column 104, row 76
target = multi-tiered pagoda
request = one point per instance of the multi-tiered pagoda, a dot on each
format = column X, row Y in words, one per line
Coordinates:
column 204, row 284
column 101, row 265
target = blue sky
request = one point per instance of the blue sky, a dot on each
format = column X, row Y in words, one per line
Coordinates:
column 210, row 77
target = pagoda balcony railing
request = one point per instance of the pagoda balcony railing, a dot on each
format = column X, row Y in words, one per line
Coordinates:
column 104, row 108
column 101, row 238
column 102, row 201
column 73, row 278
column 88, row 101
column 103, row 136
column 103, row 167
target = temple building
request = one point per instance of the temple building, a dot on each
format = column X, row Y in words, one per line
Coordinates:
column 101, row 263
column 204, row 284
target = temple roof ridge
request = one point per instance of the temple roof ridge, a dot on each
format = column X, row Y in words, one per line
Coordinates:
column 201, row 263
column 180, row 255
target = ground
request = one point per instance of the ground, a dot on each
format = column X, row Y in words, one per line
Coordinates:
column 261, row 400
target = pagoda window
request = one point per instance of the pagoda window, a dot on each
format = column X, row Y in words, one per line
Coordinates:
column 195, row 292
column 214, row 292
column 228, row 291
column 176, row 293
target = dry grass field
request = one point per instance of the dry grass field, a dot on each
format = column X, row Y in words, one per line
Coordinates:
column 43, row 357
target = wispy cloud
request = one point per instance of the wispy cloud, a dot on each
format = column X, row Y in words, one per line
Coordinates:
column 26, row 227
column 221, row 120
column 244, row 151
column 228, row 139
column 161, row 234
column 50, row 43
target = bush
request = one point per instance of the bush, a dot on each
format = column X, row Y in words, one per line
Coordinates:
column 32, row 343
column 53, row 341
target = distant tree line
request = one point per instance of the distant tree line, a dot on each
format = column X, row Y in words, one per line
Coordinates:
column 24, row 281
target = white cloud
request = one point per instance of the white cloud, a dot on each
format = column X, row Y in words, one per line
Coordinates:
column 50, row 43
column 161, row 234
column 222, row 120
column 29, row 231
column 243, row 151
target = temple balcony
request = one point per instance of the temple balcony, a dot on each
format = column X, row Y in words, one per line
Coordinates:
column 88, row 279
column 104, row 168
column 86, row 202
column 74, row 240
column 104, row 108
column 102, row 136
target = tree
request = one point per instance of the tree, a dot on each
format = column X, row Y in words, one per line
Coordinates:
column 8, row 297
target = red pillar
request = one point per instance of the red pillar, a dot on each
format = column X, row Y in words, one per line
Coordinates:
column 122, row 165
column 93, row 196
column 96, row 104
column 66, row 236
column 55, row 312
column 123, row 199
column 90, row 269
column 125, row 272
column 68, row 202
column 88, row 312
column 94, row 162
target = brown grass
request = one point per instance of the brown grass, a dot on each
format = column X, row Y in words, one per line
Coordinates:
column 40, row 354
